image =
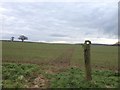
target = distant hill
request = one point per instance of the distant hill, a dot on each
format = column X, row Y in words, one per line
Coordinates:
column 98, row 44
column 117, row 44
column 101, row 44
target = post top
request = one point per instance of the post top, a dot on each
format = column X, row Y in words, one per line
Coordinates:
column 87, row 42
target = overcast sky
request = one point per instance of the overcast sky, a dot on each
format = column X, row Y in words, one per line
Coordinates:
column 60, row 22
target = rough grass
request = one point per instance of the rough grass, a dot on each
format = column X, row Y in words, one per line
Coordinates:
column 75, row 78
column 31, row 76
column 21, row 76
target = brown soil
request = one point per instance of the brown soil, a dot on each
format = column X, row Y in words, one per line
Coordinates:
column 37, row 82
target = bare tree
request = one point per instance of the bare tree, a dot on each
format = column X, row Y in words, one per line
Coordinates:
column 22, row 37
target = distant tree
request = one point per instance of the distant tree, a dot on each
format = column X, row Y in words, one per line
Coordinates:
column 117, row 43
column 22, row 37
column 12, row 39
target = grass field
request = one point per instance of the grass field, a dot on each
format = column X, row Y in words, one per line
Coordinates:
column 58, row 59
column 68, row 55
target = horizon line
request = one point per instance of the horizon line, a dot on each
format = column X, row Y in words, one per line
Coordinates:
column 55, row 42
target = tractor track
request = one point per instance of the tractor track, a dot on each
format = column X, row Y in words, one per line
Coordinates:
column 64, row 59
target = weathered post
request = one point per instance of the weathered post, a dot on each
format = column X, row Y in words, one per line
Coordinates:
column 87, row 59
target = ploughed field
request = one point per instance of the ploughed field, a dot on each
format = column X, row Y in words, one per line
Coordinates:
column 35, row 65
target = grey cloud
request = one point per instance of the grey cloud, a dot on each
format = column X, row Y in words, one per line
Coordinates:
column 58, row 35
column 45, row 21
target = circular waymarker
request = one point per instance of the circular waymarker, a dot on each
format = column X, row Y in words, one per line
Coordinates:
column 87, row 42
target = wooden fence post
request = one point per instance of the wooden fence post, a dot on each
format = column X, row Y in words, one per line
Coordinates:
column 87, row 59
